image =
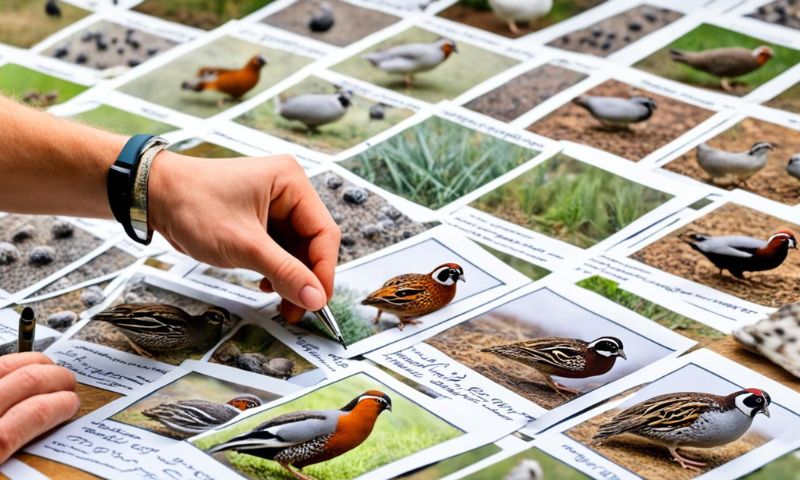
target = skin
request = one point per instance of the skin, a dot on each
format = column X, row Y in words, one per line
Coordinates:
column 260, row 214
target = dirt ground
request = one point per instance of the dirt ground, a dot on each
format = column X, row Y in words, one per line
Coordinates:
column 780, row 12
column 672, row 119
column 465, row 341
column 772, row 182
column 614, row 33
column 771, row 288
column 351, row 23
column 523, row 93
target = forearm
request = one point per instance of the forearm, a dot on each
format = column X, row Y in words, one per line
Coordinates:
column 52, row 165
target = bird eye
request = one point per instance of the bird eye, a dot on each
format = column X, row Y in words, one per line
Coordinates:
column 759, row 400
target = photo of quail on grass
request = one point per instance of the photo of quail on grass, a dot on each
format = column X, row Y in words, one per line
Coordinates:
column 120, row 121
column 371, row 425
column 531, row 464
column 571, row 201
column 734, row 249
column 204, row 14
column 547, row 348
column 425, row 65
column 621, row 119
column 215, row 76
column 34, row 88
column 722, row 60
column 325, row 117
column 437, row 161
column 24, row 23
column 191, row 405
column 753, row 155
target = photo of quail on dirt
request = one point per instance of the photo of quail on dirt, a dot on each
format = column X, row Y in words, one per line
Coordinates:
column 785, row 13
column 547, row 348
column 753, row 155
column 621, row 119
column 531, row 464
column 121, row 121
column 337, row 22
column 24, row 23
column 34, row 88
column 712, row 421
column 736, row 250
column 722, row 60
column 203, row 14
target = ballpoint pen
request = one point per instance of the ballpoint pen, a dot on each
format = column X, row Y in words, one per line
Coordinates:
column 326, row 317
column 27, row 330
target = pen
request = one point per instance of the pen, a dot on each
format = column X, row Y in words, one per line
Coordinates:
column 27, row 330
column 326, row 317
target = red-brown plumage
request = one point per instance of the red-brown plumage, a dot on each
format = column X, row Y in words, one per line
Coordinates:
column 739, row 254
column 235, row 83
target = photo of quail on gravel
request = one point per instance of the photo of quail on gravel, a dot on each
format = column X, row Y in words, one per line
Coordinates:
column 195, row 147
column 322, row 116
column 191, row 405
column 34, row 88
column 121, row 121
column 621, row 119
column 337, row 22
column 35, row 247
column 521, row 94
column 204, row 14
column 24, row 23
column 367, row 221
column 753, row 155
column 531, row 464
column 734, row 249
column 785, row 13
column 127, row 323
column 720, row 59
column 618, row 31
column 107, row 263
column 725, row 417
column 62, row 311
column 515, row 345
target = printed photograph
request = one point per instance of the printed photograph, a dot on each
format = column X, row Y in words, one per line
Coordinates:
column 754, row 155
column 105, row 45
column 424, row 65
column 521, row 94
column 368, row 222
column 216, row 76
column 786, row 467
column 736, row 250
column 120, row 121
column 711, row 422
column 236, row 276
column 618, row 31
column 452, row 465
column 196, row 147
column 337, row 22
column 621, row 119
column 534, row 272
column 204, row 14
column 322, row 116
column 369, row 424
column 193, row 404
column 719, row 59
column 532, row 464
column 62, row 311
column 571, row 201
column 35, row 88
column 788, row 100
column 110, row 261
column 24, row 23
column 547, row 348
column 512, row 18
column 437, row 161
column 158, row 324
column 34, row 247
column 780, row 12
column 253, row 349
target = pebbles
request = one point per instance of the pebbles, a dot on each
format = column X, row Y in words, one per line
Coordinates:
column 62, row 229
column 22, row 233
column 333, row 181
column 355, row 195
column 62, row 320
column 42, row 255
column 251, row 362
column 92, row 296
column 8, row 253
column 228, row 353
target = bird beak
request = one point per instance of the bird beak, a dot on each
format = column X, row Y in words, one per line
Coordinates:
column 389, row 408
column 462, row 279
column 765, row 411
column 622, row 354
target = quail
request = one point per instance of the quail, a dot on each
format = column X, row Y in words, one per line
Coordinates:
column 617, row 112
column 739, row 254
column 235, row 83
column 190, row 417
column 513, row 11
column 315, row 109
column 793, row 167
column 412, row 58
column 731, row 168
column 725, row 63
column 52, row 9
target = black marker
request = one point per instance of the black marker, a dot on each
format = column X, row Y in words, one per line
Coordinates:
column 27, row 330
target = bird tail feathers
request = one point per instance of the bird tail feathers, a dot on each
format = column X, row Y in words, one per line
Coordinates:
column 373, row 58
column 678, row 55
column 195, row 86
column 580, row 101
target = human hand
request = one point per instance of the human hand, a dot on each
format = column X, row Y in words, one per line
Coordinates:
column 37, row 396
column 260, row 214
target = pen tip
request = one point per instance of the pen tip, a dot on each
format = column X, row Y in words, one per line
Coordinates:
column 341, row 340
column 27, row 313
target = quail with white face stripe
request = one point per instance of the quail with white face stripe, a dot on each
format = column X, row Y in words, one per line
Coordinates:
column 732, row 168
column 412, row 58
column 617, row 112
column 739, row 254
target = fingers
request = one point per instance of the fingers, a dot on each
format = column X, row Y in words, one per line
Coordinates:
column 291, row 312
column 28, row 419
column 31, row 380
column 15, row 361
column 323, row 253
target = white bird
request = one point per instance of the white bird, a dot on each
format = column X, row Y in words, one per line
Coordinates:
column 322, row 19
column 617, row 112
column 412, row 58
column 513, row 11
column 315, row 109
column 731, row 168
column 793, row 168
column 526, row 469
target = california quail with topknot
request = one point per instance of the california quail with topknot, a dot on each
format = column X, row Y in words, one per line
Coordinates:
column 738, row 254
column 412, row 58
column 732, row 168
column 725, row 63
column 190, row 417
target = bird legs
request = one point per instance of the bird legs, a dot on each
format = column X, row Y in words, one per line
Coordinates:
column 562, row 390
column 408, row 80
column 725, row 83
column 512, row 25
column 295, row 473
column 407, row 321
column 685, row 462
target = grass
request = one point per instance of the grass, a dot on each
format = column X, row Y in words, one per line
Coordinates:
column 534, row 272
column 687, row 327
column 406, row 430
column 453, row 77
column 788, row 100
column 354, row 326
column 350, row 130
column 437, row 161
column 572, row 201
column 707, row 37
column 24, row 23
column 163, row 86
column 16, row 81
column 453, row 464
column 786, row 467
column 205, row 14
column 551, row 467
column 196, row 148
column 122, row 122
column 254, row 339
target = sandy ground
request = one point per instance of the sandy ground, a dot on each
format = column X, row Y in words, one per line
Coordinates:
column 671, row 120
column 772, row 182
column 24, row 23
column 351, row 23
column 614, row 33
column 772, row 288
column 780, row 12
column 523, row 93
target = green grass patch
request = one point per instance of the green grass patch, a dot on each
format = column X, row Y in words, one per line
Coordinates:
column 205, row 14
column 437, row 161
column 16, row 81
column 534, row 272
column 551, row 467
column 122, row 122
column 706, row 37
column 788, row 100
column 406, row 430
column 685, row 326
column 353, row 324
column 786, row 467
column 453, row 464
column 453, row 77
column 24, row 23
column 572, row 201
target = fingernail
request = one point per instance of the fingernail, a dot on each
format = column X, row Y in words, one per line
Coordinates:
column 312, row 298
